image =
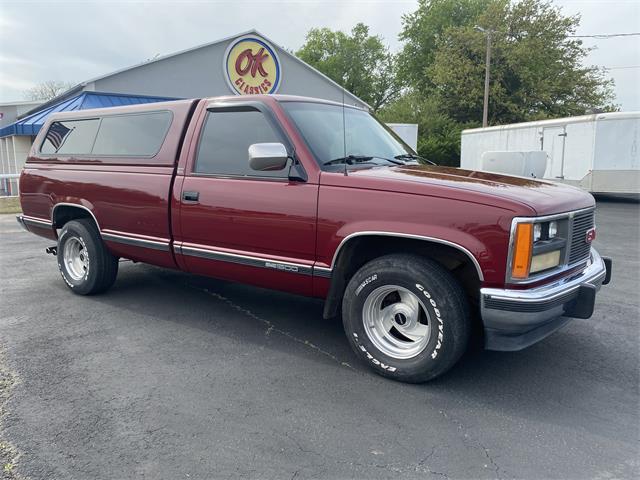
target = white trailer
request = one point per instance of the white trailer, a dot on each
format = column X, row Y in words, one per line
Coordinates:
column 598, row 153
column 408, row 132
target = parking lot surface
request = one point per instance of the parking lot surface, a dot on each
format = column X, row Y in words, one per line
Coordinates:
column 173, row 376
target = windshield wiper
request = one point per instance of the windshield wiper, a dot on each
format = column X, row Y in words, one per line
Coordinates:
column 351, row 159
column 411, row 156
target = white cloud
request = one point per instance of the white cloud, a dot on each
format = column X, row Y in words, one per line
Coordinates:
column 77, row 40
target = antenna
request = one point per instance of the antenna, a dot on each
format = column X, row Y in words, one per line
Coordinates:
column 344, row 128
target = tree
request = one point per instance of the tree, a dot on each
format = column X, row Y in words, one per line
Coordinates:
column 47, row 90
column 438, row 134
column 422, row 30
column 359, row 62
column 537, row 68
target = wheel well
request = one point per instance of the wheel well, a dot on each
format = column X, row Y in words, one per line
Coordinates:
column 361, row 250
column 65, row 213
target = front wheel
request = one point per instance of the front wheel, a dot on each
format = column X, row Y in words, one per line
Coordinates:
column 407, row 317
column 87, row 267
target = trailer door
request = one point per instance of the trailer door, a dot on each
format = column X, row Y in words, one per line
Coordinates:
column 553, row 142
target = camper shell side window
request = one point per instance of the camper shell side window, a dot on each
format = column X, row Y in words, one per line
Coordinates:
column 138, row 135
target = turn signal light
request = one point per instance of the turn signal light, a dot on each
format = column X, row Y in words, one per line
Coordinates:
column 522, row 251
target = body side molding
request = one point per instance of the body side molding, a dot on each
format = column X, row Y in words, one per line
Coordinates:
column 37, row 222
column 249, row 260
column 120, row 237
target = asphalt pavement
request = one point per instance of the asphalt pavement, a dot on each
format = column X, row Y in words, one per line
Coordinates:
column 174, row 376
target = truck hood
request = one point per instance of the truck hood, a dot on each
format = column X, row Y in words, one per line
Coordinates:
column 544, row 197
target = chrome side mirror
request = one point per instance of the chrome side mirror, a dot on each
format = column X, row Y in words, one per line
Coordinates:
column 267, row 157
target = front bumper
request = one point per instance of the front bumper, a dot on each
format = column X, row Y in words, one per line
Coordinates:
column 515, row 319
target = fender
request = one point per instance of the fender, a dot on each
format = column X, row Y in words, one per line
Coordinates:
column 457, row 246
column 77, row 205
column 338, row 282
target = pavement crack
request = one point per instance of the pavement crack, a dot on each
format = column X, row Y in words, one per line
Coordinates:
column 496, row 468
column 472, row 443
column 270, row 327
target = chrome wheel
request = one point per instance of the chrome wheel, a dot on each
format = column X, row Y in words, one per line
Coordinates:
column 396, row 321
column 76, row 258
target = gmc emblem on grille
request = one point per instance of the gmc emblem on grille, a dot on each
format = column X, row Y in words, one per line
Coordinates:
column 590, row 236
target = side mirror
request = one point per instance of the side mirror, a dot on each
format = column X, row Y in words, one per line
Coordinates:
column 266, row 157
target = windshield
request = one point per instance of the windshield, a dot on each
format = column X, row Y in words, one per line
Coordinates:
column 321, row 125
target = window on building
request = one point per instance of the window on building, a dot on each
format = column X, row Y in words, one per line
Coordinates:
column 225, row 140
column 73, row 137
column 132, row 135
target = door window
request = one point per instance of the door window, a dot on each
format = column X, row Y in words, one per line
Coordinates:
column 225, row 140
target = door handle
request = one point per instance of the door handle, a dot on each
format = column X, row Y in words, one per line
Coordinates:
column 190, row 196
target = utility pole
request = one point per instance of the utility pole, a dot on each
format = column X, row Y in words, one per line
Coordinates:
column 487, row 76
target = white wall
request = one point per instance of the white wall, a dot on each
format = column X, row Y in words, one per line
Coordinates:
column 13, row 154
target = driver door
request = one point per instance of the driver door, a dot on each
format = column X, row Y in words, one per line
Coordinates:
column 239, row 224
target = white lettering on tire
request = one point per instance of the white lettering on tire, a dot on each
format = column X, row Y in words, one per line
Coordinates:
column 366, row 282
column 374, row 360
column 436, row 310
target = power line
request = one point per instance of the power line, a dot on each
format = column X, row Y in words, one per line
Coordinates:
column 603, row 36
column 621, row 68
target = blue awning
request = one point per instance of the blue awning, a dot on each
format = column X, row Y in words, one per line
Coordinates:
column 31, row 125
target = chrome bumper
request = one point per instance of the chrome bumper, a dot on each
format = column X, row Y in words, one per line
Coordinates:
column 515, row 319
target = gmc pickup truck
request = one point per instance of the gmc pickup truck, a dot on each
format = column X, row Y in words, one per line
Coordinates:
column 317, row 199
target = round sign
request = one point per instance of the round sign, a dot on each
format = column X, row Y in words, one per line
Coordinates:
column 252, row 66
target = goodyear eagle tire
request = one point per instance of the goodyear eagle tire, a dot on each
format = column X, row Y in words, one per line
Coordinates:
column 407, row 317
column 86, row 265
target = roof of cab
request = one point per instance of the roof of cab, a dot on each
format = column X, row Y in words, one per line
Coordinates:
column 168, row 104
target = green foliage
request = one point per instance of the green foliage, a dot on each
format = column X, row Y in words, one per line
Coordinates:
column 423, row 29
column 536, row 68
column 358, row 61
column 439, row 135
column 437, row 80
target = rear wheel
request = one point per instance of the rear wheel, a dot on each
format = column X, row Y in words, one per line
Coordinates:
column 86, row 265
column 407, row 317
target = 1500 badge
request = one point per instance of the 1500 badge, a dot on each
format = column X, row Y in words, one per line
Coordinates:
column 281, row 266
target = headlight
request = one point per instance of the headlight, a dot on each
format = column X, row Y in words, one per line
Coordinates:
column 537, row 247
column 537, row 231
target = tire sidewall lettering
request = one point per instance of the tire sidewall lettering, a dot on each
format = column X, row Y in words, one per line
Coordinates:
column 439, row 321
column 363, row 343
column 367, row 281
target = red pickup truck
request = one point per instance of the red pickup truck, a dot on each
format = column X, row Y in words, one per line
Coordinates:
column 317, row 199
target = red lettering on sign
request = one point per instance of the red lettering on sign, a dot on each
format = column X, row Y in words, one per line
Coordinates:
column 248, row 62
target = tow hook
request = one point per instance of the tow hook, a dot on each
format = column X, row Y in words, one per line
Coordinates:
column 52, row 250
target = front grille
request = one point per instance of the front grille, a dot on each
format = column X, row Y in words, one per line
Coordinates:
column 579, row 249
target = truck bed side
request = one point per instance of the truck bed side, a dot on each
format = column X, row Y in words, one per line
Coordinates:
column 127, row 196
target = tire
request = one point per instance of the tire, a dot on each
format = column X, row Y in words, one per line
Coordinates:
column 425, row 327
column 86, row 265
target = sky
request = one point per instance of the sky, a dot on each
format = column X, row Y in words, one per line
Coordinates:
column 75, row 40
